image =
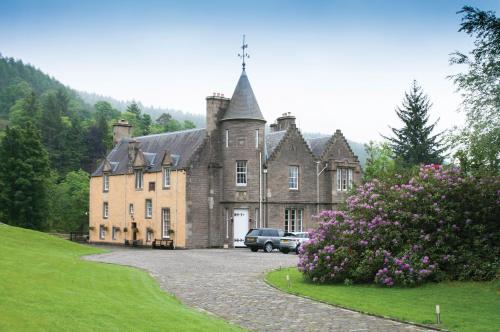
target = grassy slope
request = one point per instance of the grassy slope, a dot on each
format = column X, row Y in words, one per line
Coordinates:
column 45, row 285
column 465, row 306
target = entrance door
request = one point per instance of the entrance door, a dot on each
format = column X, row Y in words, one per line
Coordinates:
column 240, row 226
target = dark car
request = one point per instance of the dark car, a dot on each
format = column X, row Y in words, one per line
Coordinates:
column 263, row 238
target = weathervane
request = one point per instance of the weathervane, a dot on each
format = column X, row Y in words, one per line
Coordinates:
column 243, row 54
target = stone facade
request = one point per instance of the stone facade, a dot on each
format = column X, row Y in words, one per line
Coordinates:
column 234, row 175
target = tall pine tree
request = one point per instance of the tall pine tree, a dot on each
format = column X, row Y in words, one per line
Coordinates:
column 24, row 178
column 415, row 143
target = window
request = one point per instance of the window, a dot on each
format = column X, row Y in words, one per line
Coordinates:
column 227, row 138
column 293, row 177
column 257, row 218
column 149, row 235
column 139, row 179
column 149, row 208
column 227, row 222
column 105, row 183
column 344, row 179
column 241, row 173
column 102, row 232
column 256, row 138
column 293, row 220
column 166, row 177
column 165, row 222
column 131, row 209
column 105, row 210
column 152, row 186
column 114, row 230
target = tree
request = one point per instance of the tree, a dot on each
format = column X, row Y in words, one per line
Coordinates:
column 380, row 161
column 97, row 141
column 414, row 143
column 24, row 174
column 189, row 124
column 69, row 202
column 24, row 110
column 479, row 140
column 163, row 119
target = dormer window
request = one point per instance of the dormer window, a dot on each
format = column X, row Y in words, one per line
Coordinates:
column 166, row 177
column 105, row 183
column 139, row 179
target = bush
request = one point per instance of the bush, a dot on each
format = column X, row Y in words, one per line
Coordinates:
column 438, row 224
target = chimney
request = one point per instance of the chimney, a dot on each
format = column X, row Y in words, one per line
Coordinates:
column 285, row 121
column 216, row 105
column 121, row 129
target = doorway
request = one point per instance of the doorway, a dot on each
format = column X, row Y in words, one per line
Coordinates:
column 240, row 227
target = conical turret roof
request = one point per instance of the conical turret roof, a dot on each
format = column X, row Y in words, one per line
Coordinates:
column 243, row 104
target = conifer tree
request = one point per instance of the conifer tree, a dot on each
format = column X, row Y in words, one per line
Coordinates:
column 24, row 178
column 415, row 142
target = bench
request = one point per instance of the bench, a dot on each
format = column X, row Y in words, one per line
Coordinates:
column 163, row 244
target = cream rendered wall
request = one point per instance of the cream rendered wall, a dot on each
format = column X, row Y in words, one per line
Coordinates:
column 122, row 192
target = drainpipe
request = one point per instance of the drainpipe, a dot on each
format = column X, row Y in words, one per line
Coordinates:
column 260, row 189
column 318, row 173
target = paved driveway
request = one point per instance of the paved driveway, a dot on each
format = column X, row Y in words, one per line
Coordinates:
column 229, row 283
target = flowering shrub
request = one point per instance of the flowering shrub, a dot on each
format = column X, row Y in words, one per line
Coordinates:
column 438, row 224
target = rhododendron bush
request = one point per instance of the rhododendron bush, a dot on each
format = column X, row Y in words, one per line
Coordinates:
column 437, row 225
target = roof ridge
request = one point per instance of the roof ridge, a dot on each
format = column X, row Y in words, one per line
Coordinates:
column 171, row 133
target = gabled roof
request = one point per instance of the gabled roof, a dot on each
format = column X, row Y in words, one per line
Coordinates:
column 243, row 104
column 181, row 146
column 318, row 145
column 273, row 139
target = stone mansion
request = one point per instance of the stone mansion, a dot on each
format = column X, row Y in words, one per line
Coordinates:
column 207, row 187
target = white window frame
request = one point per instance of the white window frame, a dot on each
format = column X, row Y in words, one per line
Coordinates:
column 166, row 177
column 256, row 138
column 165, row 223
column 139, row 179
column 105, row 210
column 344, row 179
column 113, row 233
column 293, row 177
column 149, row 236
column 294, row 220
column 149, row 208
column 105, row 183
column 102, row 232
column 257, row 217
column 241, row 173
column 131, row 209
column 227, row 138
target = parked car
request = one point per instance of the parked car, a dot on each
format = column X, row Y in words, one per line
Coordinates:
column 263, row 238
column 292, row 241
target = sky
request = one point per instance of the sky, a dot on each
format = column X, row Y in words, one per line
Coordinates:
column 333, row 64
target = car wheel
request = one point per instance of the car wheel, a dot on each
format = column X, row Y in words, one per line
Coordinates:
column 268, row 247
column 254, row 249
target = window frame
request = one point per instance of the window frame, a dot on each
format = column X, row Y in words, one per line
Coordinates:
column 148, row 210
column 102, row 232
column 344, row 178
column 138, row 180
column 131, row 209
column 165, row 222
column 227, row 138
column 114, row 230
column 256, row 138
column 294, row 220
column 105, row 210
column 292, row 177
column 105, row 182
column 167, row 171
column 242, row 173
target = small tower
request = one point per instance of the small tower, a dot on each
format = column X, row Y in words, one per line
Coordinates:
column 121, row 129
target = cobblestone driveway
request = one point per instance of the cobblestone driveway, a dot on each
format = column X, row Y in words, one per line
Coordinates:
column 229, row 283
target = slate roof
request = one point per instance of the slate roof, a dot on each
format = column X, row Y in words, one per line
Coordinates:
column 181, row 145
column 272, row 141
column 243, row 104
column 318, row 144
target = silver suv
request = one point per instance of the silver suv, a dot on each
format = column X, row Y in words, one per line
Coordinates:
column 263, row 238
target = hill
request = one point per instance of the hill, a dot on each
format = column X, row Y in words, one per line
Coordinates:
column 46, row 286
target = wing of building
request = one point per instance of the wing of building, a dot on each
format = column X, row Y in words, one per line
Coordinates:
column 206, row 188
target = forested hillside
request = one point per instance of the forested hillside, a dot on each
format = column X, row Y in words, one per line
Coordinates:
column 50, row 141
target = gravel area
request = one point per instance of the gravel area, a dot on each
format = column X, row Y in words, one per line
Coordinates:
column 229, row 283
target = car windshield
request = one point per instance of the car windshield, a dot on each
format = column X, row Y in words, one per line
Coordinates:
column 254, row 232
column 302, row 235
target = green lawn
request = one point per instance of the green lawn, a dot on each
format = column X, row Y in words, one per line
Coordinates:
column 46, row 286
column 465, row 306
